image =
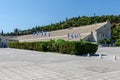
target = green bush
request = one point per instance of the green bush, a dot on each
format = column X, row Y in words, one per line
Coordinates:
column 105, row 41
column 60, row 41
column 70, row 48
column 38, row 46
column 13, row 45
column 61, row 46
column 89, row 48
column 78, row 48
column 117, row 43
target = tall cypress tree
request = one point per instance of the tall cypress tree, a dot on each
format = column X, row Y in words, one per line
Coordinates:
column 2, row 33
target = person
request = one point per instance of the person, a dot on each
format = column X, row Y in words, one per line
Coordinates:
column 42, row 33
column 68, row 35
column 45, row 34
column 76, row 35
column 48, row 34
column 37, row 33
column 72, row 36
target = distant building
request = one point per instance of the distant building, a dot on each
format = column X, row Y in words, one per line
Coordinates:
column 4, row 41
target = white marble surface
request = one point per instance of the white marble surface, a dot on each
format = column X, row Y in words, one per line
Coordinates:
column 31, row 65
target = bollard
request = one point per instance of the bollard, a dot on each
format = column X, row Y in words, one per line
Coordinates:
column 100, row 56
column 88, row 55
column 114, row 58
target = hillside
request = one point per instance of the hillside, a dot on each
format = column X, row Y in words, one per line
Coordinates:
column 75, row 22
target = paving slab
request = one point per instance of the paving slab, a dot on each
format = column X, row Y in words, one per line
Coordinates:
column 16, row 64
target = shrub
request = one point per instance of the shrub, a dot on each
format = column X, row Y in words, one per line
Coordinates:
column 56, row 44
column 105, row 41
column 70, row 48
column 60, row 41
column 61, row 46
column 78, row 48
column 13, row 45
column 89, row 48
column 117, row 43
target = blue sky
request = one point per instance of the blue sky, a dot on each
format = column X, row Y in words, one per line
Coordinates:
column 25, row 14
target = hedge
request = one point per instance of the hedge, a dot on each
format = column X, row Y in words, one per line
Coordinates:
column 60, row 46
column 117, row 43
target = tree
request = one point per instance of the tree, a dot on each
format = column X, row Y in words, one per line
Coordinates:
column 2, row 33
column 16, row 31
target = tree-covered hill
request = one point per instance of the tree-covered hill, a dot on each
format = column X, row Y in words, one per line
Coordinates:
column 76, row 22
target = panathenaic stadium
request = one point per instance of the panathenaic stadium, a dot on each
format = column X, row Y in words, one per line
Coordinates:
column 91, row 33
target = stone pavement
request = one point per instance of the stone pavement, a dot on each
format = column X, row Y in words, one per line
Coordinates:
column 31, row 65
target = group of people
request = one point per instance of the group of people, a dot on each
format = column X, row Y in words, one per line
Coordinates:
column 47, row 34
column 75, row 35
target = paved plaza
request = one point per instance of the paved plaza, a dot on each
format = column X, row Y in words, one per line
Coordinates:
column 18, row 64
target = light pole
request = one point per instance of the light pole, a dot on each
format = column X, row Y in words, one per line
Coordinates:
column 95, row 18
